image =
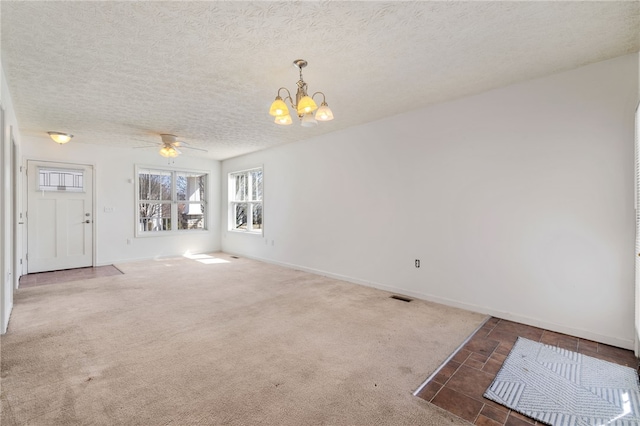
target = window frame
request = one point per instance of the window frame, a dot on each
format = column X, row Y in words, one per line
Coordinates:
column 173, row 201
column 232, row 202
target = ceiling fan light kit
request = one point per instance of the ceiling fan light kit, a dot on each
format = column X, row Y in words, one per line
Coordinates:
column 60, row 138
column 169, row 144
column 168, row 151
column 304, row 104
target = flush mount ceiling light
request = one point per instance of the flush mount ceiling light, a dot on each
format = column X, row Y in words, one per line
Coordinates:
column 60, row 137
column 304, row 104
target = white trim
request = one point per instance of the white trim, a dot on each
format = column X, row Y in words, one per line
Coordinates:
column 6, row 300
column 636, row 183
column 231, row 211
column 572, row 331
column 15, row 205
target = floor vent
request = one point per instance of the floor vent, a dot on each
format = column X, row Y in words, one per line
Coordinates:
column 402, row 298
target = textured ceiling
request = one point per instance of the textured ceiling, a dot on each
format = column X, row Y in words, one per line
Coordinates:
column 121, row 73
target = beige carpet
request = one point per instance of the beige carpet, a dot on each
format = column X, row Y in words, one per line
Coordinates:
column 185, row 342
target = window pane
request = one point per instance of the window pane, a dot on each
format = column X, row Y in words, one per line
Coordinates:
column 154, row 217
column 190, row 186
column 245, row 197
column 191, row 216
column 68, row 180
column 181, row 186
column 257, row 216
column 256, row 188
column 240, row 187
column 240, row 212
column 154, row 185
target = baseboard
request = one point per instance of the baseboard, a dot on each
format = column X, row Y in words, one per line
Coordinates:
column 535, row 322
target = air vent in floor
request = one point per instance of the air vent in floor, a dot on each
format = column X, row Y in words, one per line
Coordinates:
column 402, row 298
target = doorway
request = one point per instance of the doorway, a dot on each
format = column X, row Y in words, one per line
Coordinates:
column 59, row 216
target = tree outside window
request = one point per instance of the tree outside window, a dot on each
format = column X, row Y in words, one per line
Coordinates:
column 171, row 200
column 245, row 201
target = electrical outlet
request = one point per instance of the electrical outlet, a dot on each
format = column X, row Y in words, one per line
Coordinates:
column 417, row 263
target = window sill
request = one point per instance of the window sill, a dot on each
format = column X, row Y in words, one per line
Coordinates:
column 181, row 233
column 258, row 233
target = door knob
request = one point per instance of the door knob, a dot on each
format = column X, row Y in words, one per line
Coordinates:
column 87, row 221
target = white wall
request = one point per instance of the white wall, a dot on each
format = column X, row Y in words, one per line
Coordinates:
column 7, row 272
column 517, row 201
column 115, row 187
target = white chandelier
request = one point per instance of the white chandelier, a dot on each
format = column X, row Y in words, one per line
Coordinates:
column 304, row 104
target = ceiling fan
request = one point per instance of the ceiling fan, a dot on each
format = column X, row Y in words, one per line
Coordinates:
column 170, row 144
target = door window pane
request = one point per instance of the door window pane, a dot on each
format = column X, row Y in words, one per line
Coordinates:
column 67, row 180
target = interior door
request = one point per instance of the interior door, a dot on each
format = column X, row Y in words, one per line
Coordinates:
column 59, row 216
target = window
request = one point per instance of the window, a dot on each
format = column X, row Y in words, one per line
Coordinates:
column 69, row 180
column 245, row 201
column 170, row 200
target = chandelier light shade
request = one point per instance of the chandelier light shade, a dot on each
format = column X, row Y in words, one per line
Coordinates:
column 284, row 120
column 324, row 113
column 308, row 120
column 304, row 104
column 60, row 138
column 278, row 108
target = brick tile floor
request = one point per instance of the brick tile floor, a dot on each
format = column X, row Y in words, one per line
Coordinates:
column 67, row 275
column 459, row 385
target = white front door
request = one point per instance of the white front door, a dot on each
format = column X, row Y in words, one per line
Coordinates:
column 59, row 216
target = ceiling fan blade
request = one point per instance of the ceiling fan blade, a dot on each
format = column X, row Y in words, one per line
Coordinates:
column 195, row 149
column 168, row 141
